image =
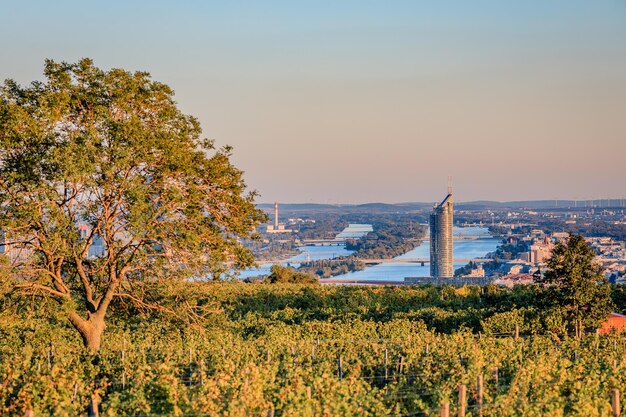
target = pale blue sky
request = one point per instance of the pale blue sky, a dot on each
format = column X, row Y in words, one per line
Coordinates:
column 356, row 101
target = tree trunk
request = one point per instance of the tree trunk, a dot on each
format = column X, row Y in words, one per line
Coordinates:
column 581, row 329
column 93, row 409
column 578, row 328
column 90, row 329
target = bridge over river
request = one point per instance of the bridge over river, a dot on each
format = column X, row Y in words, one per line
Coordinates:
column 421, row 261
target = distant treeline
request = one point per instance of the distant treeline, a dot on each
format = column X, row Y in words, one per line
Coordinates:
column 326, row 226
column 589, row 228
column 326, row 268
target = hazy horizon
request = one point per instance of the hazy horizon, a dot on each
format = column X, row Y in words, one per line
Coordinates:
column 616, row 202
column 356, row 102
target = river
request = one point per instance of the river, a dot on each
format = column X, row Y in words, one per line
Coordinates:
column 315, row 252
column 397, row 271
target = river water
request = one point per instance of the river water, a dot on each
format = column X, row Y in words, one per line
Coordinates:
column 463, row 249
column 315, row 252
column 397, row 271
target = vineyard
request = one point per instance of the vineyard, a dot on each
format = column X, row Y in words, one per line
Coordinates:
column 296, row 350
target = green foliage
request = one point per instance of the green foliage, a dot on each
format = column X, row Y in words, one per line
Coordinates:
column 287, row 274
column 579, row 285
column 326, row 268
column 111, row 151
column 504, row 322
column 259, row 347
column 6, row 277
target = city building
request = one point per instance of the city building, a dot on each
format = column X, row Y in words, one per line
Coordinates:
column 511, row 280
column 277, row 227
column 479, row 271
column 441, row 256
column 560, row 236
column 541, row 251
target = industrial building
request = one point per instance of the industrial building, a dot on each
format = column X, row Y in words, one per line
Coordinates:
column 441, row 256
column 277, row 227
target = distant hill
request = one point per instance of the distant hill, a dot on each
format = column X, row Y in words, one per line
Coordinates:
column 380, row 207
column 530, row 204
column 376, row 205
column 393, row 207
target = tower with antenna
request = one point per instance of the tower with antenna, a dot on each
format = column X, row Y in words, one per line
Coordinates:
column 441, row 243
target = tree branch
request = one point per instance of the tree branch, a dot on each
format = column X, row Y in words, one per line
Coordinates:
column 45, row 289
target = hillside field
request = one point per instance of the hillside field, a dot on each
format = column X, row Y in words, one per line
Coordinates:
column 310, row 350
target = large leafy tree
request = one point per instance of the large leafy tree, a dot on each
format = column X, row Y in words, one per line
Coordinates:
column 92, row 156
column 579, row 287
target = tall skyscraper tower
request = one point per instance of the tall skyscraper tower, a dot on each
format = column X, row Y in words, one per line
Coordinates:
column 275, row 215
column 441, row 220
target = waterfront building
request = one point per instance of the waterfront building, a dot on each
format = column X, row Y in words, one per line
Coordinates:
column 477, row 272
column 441, row 256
